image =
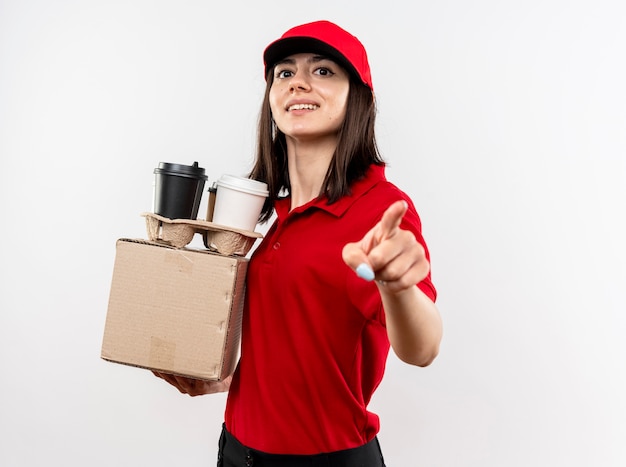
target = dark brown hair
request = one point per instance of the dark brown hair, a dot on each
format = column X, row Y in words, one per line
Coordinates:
column 356, row 148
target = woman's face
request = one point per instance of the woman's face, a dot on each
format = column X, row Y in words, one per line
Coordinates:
column 308, row 96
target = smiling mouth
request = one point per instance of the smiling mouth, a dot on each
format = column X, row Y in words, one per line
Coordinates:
column 303, row 107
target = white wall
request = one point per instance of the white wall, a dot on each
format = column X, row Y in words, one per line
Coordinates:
column 505, row 121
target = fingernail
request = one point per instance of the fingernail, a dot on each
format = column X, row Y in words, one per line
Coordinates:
column 365, row 272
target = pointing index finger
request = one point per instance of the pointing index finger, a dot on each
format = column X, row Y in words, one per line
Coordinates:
column 392, row 218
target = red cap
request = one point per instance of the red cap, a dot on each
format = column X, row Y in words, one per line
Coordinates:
column 327, row 39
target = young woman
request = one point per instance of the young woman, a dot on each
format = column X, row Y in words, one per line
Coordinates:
column 342, row 274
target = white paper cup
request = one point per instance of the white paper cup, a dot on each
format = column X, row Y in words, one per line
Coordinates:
column 238, row 202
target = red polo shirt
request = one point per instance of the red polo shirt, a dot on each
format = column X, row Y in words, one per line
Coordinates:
column 314, row 343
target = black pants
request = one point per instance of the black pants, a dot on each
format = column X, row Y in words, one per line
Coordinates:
column 234, row 454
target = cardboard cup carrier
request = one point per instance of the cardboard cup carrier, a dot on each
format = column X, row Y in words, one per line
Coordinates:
column 238, row 202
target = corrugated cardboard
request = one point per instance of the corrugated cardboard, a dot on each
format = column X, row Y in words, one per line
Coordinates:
column 176, row 311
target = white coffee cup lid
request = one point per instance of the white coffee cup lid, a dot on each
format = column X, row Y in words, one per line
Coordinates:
column 244, row 184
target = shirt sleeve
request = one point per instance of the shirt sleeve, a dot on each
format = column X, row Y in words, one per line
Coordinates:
column 412, row 222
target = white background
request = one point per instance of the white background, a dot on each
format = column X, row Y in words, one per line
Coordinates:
column 505, row 122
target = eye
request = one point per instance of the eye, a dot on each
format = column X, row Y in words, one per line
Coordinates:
column 324, row 71
column 281, row 74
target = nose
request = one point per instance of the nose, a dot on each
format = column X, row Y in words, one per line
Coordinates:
column 298, row 83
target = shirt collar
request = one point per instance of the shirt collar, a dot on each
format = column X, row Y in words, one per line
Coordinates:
column 375, row 173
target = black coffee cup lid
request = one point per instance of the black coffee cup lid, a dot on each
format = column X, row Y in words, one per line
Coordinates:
column 180, row 169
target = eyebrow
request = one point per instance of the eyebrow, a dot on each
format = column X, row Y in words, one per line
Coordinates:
column 312, row 59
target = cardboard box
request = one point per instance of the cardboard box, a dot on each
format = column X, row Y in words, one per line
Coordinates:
column 176, row 311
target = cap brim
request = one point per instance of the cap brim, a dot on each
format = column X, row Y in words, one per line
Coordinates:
column 283, row 48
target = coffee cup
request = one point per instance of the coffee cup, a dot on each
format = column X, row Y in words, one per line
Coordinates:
column 178, row 190
column 238, row 202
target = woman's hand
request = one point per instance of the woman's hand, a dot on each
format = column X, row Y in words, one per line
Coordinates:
column 389, row 254
column 195, row 387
